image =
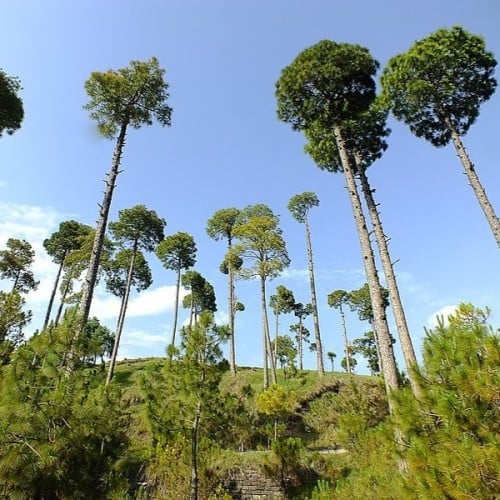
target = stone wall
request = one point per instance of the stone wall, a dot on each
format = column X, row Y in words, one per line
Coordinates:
column 251, row 484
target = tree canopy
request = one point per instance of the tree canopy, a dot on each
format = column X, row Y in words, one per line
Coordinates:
column 11, row 105
column 447, row 74
column 128, row 96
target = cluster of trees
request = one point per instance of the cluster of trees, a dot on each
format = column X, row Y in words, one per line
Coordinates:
column 60, row 427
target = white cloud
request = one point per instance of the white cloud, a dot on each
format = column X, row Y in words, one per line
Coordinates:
column 142, row 338
column 299, row 274
column 442, row 314
column 147, row 303
column 33, row 224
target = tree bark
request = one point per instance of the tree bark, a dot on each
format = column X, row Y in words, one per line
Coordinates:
column 388, row 362
column 392, row 285
column 267, row 351
column 300, row 342
column 121, row 316
column 194, row 453
column 346, row 340
column 474, row 181
column 91, row 277
column 176, row 309
column 61, row 305
column 53, row 294
column 314, row 302
column 232, row 312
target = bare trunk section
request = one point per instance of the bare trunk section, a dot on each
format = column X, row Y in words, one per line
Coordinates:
column 314, row 302
column 176, row 308
column 392, row 285
column 53, row 295
column 380, row 321
column 121, row 317
column 300, row 342
column 91, row 277
column 267, row 352
column 63, row 301
column 346, row 340
column 232, row 312
column 194, row 453
column 474, row 181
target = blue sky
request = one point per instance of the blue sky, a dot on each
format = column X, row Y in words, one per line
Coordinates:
column 226, row 148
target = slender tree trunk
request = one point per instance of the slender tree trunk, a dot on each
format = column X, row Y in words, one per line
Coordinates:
column 232, row 312
column 268, row 354
column 314, row 302
column 61, row 305
column 388, row 362
column 474, row 181
column 301, row 346
column 377, row 345
column 121, row 316
column 91, row 277
column 346, row 340
column 392, row 285
column 176, row 308
column 194, row 453
column 277, row 325
column 53, row 294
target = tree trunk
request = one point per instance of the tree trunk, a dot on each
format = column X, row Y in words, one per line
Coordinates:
column 267, row 352
column 91, row 277
column 314, row 302
column 232, row 312
column 53, row 294
column 346, row 340
column 176, row 308
column 121, row 316
column 277, row 325
column 388, row 362
column 194, row 453
column 300, row 342
column 392, row 285
column 474, row 181
column 61, row 305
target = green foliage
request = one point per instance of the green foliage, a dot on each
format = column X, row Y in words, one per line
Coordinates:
column 222, row 223
column 352, row 361
column 261, row 243
column 11, row 105
column 13, row 319
column 117, row 272
column 202, row 296
column 367, row 347
column 286, row 353
column 450, row 433
column 69, row 237
column 15, row 263
column 445, row 76
column 452, row 447
column 364, row 137
column 61, row 433
column 184, row 400
column 139, row 227
column 300, row 204
column 95, row 341
column 277, row 401
column 326, row 84
column 128, row 96
column 177, row 251
column 360, row 302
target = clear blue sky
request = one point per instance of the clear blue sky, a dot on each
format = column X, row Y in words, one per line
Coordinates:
column 226, row 148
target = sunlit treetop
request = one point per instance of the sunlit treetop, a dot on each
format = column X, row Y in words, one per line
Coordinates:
column 133, row 96
column 447, row 74
column 326, row 83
